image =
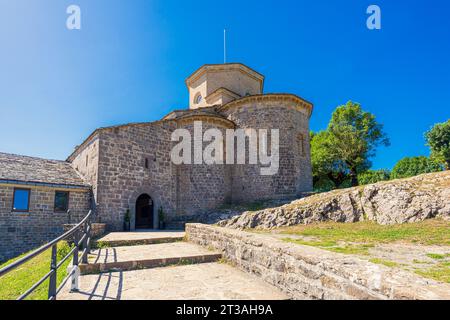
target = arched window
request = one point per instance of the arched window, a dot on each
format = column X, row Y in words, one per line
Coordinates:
column 198, row 98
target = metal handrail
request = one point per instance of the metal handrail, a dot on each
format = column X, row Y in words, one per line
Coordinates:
column 84, row 226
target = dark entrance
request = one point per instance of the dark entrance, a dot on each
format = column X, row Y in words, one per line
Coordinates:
column 144, row 212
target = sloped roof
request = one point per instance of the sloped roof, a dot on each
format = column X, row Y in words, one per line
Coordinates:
column 23, row 169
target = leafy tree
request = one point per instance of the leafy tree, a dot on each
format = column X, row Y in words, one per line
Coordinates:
column 413, row 166
column 329, row 172
column 354, row 136
column 438, row 138
column 373, row 176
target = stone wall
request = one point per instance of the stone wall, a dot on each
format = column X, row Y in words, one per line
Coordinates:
column 85, row 161
column 294, row 175
column 202, row 187
column 123, row 175
column 23, row 231
column 305, row 272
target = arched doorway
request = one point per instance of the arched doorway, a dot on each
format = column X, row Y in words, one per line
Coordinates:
column 144, row 212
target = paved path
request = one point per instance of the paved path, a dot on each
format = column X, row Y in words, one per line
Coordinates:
column 191, row 282
column 163, row 271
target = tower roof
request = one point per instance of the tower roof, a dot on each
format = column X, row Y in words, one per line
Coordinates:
column 225, row 67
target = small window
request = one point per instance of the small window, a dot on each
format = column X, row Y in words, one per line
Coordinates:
column 146, row 163
column 198, row 98
column 87, row 160
column 301, row 144
column 61, row 201
column 21, row 200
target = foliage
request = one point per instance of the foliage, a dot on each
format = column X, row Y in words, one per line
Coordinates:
column 127, row 216
column 373, row 176
column 63, row 249
column 329, row 172
column 413, row 166
column 355, row 136
column 344, row 148
column 161, row 214
column 438, row 139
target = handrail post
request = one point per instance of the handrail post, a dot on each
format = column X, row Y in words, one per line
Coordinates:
column 53, row 277
column 85, row 243
column 76, row 269
column 89, row 233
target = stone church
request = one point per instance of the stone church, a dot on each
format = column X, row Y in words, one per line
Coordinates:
column 127, row 168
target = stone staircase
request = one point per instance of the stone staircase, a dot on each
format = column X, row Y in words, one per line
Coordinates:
column 144, row 250
column 162, row 266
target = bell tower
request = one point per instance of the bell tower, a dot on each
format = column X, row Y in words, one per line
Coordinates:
column 218, row 84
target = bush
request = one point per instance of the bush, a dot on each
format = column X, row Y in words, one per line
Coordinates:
column 373, row 176
column 63, row 249
column 438, row 138
column 409, row 167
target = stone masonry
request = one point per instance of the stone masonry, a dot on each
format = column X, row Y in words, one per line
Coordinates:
column 304, row 272
column 24, row 231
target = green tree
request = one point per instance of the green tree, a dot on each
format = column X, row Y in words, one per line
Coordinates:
column 329, row 172
column 373, row 176
column 413, row 166
column 354, row 137
column 438, row 139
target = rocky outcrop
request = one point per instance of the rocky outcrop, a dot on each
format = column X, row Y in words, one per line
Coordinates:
column 389, row 202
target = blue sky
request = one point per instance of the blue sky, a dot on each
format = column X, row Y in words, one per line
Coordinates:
column 130, row 60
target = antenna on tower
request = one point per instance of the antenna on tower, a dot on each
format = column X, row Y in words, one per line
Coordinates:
column 224, row 46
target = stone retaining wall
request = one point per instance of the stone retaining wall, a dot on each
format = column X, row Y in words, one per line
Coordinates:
column 305, row 272
column 98, row 229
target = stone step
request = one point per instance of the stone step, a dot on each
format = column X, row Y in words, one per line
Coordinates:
column 121, row 239
column 147, row 256
column 204, row 281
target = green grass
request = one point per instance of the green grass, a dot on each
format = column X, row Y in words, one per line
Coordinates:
column 21, row 279
column 384, row 262
column 358, row 238
column 416, row 261
column 429, row 232
column 439, row 272
column 437, row 256
column 334, row 246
